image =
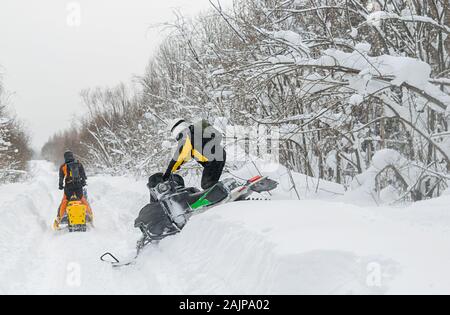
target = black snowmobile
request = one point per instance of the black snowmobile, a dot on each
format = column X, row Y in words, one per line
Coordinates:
column 172, row 204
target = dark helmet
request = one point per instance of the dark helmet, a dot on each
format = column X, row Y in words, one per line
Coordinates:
column 69, row 156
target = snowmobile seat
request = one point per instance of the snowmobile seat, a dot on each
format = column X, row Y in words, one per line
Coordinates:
column 214, row 195
column 195, row 197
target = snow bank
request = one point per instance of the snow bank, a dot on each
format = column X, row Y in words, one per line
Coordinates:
column 363, row 187
column 308, row 247
column 23, row 223
column 291, row 183
column 264, row 250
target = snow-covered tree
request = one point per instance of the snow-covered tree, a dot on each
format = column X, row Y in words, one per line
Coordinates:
column 341, row 79
column 15, row 151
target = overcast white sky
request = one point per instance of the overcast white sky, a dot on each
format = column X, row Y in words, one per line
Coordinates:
column 48, row 53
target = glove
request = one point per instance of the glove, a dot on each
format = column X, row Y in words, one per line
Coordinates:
column 56, row 224
column 166, row 177
column 61, row 187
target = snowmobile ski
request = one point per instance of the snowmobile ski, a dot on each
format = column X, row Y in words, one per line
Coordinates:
column 116, row 263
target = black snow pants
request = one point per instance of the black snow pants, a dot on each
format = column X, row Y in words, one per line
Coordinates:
column 212, row 172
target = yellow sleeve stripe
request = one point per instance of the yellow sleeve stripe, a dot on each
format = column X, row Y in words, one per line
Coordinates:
column 184, row 156
column 199, row 156
column 187, row 153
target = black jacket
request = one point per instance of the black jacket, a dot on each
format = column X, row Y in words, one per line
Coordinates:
column 65, row 179
column 199, row 143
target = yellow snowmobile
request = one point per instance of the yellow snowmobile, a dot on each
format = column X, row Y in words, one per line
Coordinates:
column 76, row 218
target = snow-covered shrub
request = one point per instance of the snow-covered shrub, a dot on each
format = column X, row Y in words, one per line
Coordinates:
column 392, row 178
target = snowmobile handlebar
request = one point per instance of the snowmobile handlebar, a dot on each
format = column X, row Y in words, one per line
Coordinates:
column 171, row 181
column 158, row 178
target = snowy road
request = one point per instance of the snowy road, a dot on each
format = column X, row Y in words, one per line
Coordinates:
column 277, row 247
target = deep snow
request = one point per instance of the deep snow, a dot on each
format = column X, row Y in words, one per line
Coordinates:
column 255, row 247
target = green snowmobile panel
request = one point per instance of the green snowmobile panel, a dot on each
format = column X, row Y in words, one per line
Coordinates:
column 202, row 202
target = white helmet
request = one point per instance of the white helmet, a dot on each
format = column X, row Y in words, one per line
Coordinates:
column 177, row 126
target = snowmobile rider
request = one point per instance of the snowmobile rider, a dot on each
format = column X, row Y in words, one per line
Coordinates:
column 72, row 179
column 199, row 141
